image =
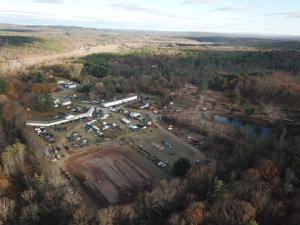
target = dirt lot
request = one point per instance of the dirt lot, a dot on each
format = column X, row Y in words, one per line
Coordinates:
column 120, row 170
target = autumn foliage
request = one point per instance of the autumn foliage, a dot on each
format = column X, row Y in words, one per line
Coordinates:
column 267, row 169
column 193, row 216
column 250, row 174
column 6, row 110
column 37, row 88
column 11, row 88
column 25, row 99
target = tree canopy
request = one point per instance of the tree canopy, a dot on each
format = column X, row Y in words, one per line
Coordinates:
column 181, row 166
column 3, row 86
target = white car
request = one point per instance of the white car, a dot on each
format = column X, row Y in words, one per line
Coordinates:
column 160, row 163
column 58, row 156
column 189, row 137
column 71, row 191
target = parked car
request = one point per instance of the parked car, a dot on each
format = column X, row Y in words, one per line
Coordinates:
column 160, row 163
column 62, row 170
column 167, row 144
column 85, row 184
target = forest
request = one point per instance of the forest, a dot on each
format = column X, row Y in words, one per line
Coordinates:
column 259, row 76
column 261, row 186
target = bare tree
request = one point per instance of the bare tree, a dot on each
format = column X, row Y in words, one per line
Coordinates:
column 176, row 219
column 106, row 216
column 125, row 214
column 29, row 214
column 232, row 211
column 13, row 158
column 7, row 209
column 83, row 215
column 70, row 203
column 28, row 195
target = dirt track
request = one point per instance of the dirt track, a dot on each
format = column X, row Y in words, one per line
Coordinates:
column 119, row 169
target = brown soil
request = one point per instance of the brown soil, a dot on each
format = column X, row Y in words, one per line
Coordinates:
column 119, row 169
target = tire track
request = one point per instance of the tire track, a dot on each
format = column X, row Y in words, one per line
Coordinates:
column 125, row 173
column 136, row 169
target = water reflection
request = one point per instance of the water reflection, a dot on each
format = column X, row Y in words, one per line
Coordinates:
column 255, row 131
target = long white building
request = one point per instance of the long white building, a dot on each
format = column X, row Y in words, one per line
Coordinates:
column 89, row 113
column 119, row 101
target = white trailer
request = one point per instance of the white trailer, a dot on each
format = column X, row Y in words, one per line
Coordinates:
column 63, row 103
column 126, row 121
column 72, row 86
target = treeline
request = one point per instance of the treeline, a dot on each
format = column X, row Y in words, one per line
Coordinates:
column 270, row 74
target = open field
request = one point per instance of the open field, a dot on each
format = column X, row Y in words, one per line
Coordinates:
column 119, row 169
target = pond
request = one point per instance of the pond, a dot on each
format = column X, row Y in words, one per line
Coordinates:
column 255, row 131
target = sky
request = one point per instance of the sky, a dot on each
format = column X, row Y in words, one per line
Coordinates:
column 221, row 16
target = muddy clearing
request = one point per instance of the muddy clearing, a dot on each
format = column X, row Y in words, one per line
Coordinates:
column 112, row 171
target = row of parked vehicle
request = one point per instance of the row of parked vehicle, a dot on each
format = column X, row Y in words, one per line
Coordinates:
column 52, row 116
column 74, row 136
column 77, row 109
column 97, row 112
column 69, row 176
column 48, row 137
column 81, row 143
column 55, row 149
column 61, row 128
column 163, row 164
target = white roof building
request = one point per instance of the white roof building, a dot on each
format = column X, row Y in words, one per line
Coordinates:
column 69, row 116
column 119, row 101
